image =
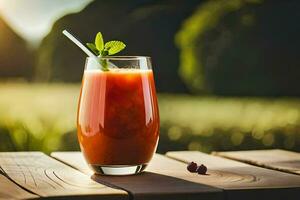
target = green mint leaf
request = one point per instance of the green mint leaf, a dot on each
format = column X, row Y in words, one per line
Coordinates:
column 92, row 47
column 99, row 41
column 114, row 47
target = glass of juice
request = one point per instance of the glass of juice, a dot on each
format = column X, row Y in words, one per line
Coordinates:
column 118, row 119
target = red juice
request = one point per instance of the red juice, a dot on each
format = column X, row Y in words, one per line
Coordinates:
column 118, row 120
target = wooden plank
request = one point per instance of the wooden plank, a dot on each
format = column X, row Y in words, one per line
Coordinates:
column 164, row 178
column 74, row 159
column 276, row 159
column 243, row 181
column 48, row 177
column 9, row 190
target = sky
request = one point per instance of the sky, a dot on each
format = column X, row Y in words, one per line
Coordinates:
column 33, row 19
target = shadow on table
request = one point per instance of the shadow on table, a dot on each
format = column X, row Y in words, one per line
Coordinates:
column 150, row 185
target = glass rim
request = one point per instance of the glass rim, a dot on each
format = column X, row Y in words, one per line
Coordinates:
column 123, row 57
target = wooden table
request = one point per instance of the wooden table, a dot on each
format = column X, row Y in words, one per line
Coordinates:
column 264, row 174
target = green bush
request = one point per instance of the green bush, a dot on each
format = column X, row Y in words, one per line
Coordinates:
column 43, row 117
column 238, row 48
column 191, row 38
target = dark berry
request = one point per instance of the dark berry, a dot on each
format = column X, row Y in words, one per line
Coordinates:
column 202, row 169
column 192, row 167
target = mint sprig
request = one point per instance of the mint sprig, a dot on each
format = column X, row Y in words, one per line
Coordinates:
column 105, row 49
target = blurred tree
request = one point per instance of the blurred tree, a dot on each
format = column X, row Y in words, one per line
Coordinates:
column 242, row 47
column 16, row 60
column 147, row 27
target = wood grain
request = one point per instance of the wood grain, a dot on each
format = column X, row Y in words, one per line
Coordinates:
column 276, row 159
column 74, row 159
column 240, row 180
column 164, row 178
column 48, row 177
column 9, row 190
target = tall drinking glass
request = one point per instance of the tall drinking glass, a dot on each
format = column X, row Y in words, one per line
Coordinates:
column 118, row 120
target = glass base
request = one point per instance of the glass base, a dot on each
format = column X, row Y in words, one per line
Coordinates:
column 118, row 170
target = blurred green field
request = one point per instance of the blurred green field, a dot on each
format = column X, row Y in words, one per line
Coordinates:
column 42, row 117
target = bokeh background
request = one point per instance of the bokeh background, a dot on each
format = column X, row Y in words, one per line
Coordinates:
column 227, row 71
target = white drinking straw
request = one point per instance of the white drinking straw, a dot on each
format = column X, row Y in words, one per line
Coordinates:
column 79, row 44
